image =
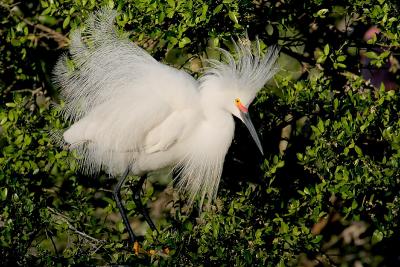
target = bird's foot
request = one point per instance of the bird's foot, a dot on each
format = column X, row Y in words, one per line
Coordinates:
column 161, row 252
column 136, row 248
column 151, row 252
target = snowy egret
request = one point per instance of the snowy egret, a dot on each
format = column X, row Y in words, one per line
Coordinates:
column 134, row 115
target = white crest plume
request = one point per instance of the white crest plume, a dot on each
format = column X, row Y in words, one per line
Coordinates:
column 249, row 72
column 129, row 111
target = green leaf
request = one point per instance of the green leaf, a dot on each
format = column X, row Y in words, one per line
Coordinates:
column 317, row 239
column 320, row 126
column 218, row 9
column 322, row 13
column 341, row 58
column 11, row 115
column 339, row 66
column 66, row 22
column 335, row 104
column 184, row 41
column 371, row 55
column 377, row 237
column 171, row 3
column 233, row 16
column 120, row 226
column 11, row 105
column 358, row 150
column 4, row 193
column 326, row 49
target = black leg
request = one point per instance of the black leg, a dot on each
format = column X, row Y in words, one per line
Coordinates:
column 117, row 196
column 136, row 189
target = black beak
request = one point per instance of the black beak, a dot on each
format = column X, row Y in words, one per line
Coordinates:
column 250, row 126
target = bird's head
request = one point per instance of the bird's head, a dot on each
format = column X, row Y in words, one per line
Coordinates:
column 232, row 84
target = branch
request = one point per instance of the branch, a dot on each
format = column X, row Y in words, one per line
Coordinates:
column 285, row 134
column 72, row 228
column 297, row 56
column 61, row 39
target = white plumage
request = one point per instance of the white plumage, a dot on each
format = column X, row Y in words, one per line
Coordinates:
column 131, row 112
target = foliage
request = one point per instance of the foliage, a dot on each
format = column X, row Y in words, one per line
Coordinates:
column 325, row 194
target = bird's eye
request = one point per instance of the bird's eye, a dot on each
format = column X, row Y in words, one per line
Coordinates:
column 237, row 100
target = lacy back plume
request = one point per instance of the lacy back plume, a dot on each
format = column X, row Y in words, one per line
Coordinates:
column 101, row 72
column 102, row 62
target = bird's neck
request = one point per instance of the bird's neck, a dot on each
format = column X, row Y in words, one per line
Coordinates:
column 212, row 103
column 218, row 121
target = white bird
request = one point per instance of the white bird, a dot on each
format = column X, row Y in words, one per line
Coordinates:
column 132, row 114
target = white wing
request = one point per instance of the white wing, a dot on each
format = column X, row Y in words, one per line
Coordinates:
column 119, row 98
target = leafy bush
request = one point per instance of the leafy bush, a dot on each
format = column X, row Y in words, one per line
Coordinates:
column 326, row 193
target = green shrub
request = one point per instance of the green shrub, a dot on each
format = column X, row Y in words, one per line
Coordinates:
column 326, row 193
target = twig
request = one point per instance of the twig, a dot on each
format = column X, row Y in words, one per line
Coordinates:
column 52, row 241
column 297, row 56
column 105, row 190
column 9, row 6
column 84, row 235
column 8, row 89
column 56, row 36
column 32, row 91
column 285, row 134
column 72, row 228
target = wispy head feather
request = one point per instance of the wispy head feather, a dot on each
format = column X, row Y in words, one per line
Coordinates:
column 249, row 71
